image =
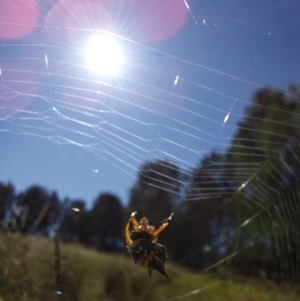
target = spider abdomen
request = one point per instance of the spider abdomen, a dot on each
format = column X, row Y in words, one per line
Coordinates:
column 149, row 255
column 140, row 235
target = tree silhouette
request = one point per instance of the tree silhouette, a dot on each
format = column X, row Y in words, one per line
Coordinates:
column 107, row 221
column 266, row 149
column 199, row 221
column 7, row 197
column 38, row 210
column 157, row 190
column 76, row 222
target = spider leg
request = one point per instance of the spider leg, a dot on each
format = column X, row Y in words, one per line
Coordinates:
column 135, row 225
column 162, row 227
column 127, row 234
column 134, row 221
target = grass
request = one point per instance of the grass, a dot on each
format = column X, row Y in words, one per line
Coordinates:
column 27, row 273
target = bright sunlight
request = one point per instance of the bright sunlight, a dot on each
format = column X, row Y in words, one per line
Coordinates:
column 104, row 55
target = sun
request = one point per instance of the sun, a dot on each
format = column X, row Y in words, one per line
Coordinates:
column 104, row 55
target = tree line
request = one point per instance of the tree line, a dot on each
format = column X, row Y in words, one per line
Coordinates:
column 238, row 208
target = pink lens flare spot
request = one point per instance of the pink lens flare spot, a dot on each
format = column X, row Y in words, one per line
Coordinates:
column 156, row 20
column 18, row 18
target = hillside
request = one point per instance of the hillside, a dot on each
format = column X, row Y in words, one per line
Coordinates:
column 27, row 272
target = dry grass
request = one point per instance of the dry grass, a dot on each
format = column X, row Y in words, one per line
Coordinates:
column 27, row 273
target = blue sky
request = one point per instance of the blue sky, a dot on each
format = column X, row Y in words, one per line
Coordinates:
column 67, row 129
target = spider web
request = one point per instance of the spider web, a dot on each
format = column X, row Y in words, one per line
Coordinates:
column 162, row 105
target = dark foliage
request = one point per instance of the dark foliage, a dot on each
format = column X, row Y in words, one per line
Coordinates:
column 7, row 197
column 106, row 223
column 76, row 222
column 37, row 210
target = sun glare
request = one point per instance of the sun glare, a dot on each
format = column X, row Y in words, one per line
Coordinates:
column 104, row 55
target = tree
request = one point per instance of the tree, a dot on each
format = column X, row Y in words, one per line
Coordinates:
column 266, row 168
column 7, row 197
column 199, row 221
column 76, row 223
column 157, row 190
column 37, row 210
column 107, row 222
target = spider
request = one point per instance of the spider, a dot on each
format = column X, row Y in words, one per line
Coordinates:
column 143, row 246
